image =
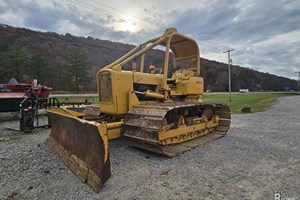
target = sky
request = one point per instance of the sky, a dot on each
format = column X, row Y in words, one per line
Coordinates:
column 265, row 34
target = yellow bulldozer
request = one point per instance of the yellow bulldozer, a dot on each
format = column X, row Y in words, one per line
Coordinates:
column 157, row 108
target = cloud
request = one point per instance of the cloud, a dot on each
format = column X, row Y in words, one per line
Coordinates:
column 264, row 33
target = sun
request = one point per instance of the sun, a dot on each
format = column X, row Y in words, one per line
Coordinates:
column 128, row 25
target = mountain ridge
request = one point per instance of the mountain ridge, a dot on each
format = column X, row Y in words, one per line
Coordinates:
column 55, row 49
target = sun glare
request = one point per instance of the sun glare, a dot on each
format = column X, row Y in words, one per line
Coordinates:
column 127, row 25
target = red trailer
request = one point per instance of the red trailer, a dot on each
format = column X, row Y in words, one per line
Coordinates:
column 13, row 93
column 26, row 98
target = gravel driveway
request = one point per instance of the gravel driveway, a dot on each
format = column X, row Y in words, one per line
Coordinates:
column 259, row 156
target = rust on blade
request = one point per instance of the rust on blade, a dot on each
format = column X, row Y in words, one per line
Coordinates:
column 81, row 146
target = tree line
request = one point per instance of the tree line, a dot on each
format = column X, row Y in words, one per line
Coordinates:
column 19, row 63
column 69, row 64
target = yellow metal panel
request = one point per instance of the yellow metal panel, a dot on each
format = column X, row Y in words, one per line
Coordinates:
column 111, row 130
column 195, row 85
column 176, row 93
column 185, row 129
column 114, row 133
column 132, row 98
column 122, row 83
column 180, row 130
column 66, row 112
column 151, row 79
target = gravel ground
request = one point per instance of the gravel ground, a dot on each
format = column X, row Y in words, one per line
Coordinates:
column 259, row 156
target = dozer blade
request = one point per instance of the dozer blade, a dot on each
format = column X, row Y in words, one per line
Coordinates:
column 81, row 146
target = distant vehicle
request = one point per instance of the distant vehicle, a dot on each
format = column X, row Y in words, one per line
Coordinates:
column 287, row 89
column 244, row 90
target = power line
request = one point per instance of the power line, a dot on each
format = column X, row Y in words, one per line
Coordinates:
column 229, row 76
column 81, row 4
column 150, row 22
column 106, row 13
column 52, row 15
column 34, row 9
column 115, row 16
column 298, row 79
column 59, row 17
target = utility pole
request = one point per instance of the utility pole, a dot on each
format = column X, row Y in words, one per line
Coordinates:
column 298, row 79
column 229, row 76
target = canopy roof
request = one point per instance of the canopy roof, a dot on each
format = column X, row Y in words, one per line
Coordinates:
column 181, row 45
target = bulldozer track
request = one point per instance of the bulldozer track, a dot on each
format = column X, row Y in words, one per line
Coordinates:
column 142, row 126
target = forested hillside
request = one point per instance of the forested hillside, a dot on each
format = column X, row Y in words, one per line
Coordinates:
column 69, row 63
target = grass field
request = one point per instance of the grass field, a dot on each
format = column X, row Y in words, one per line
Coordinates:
column 258, row 102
